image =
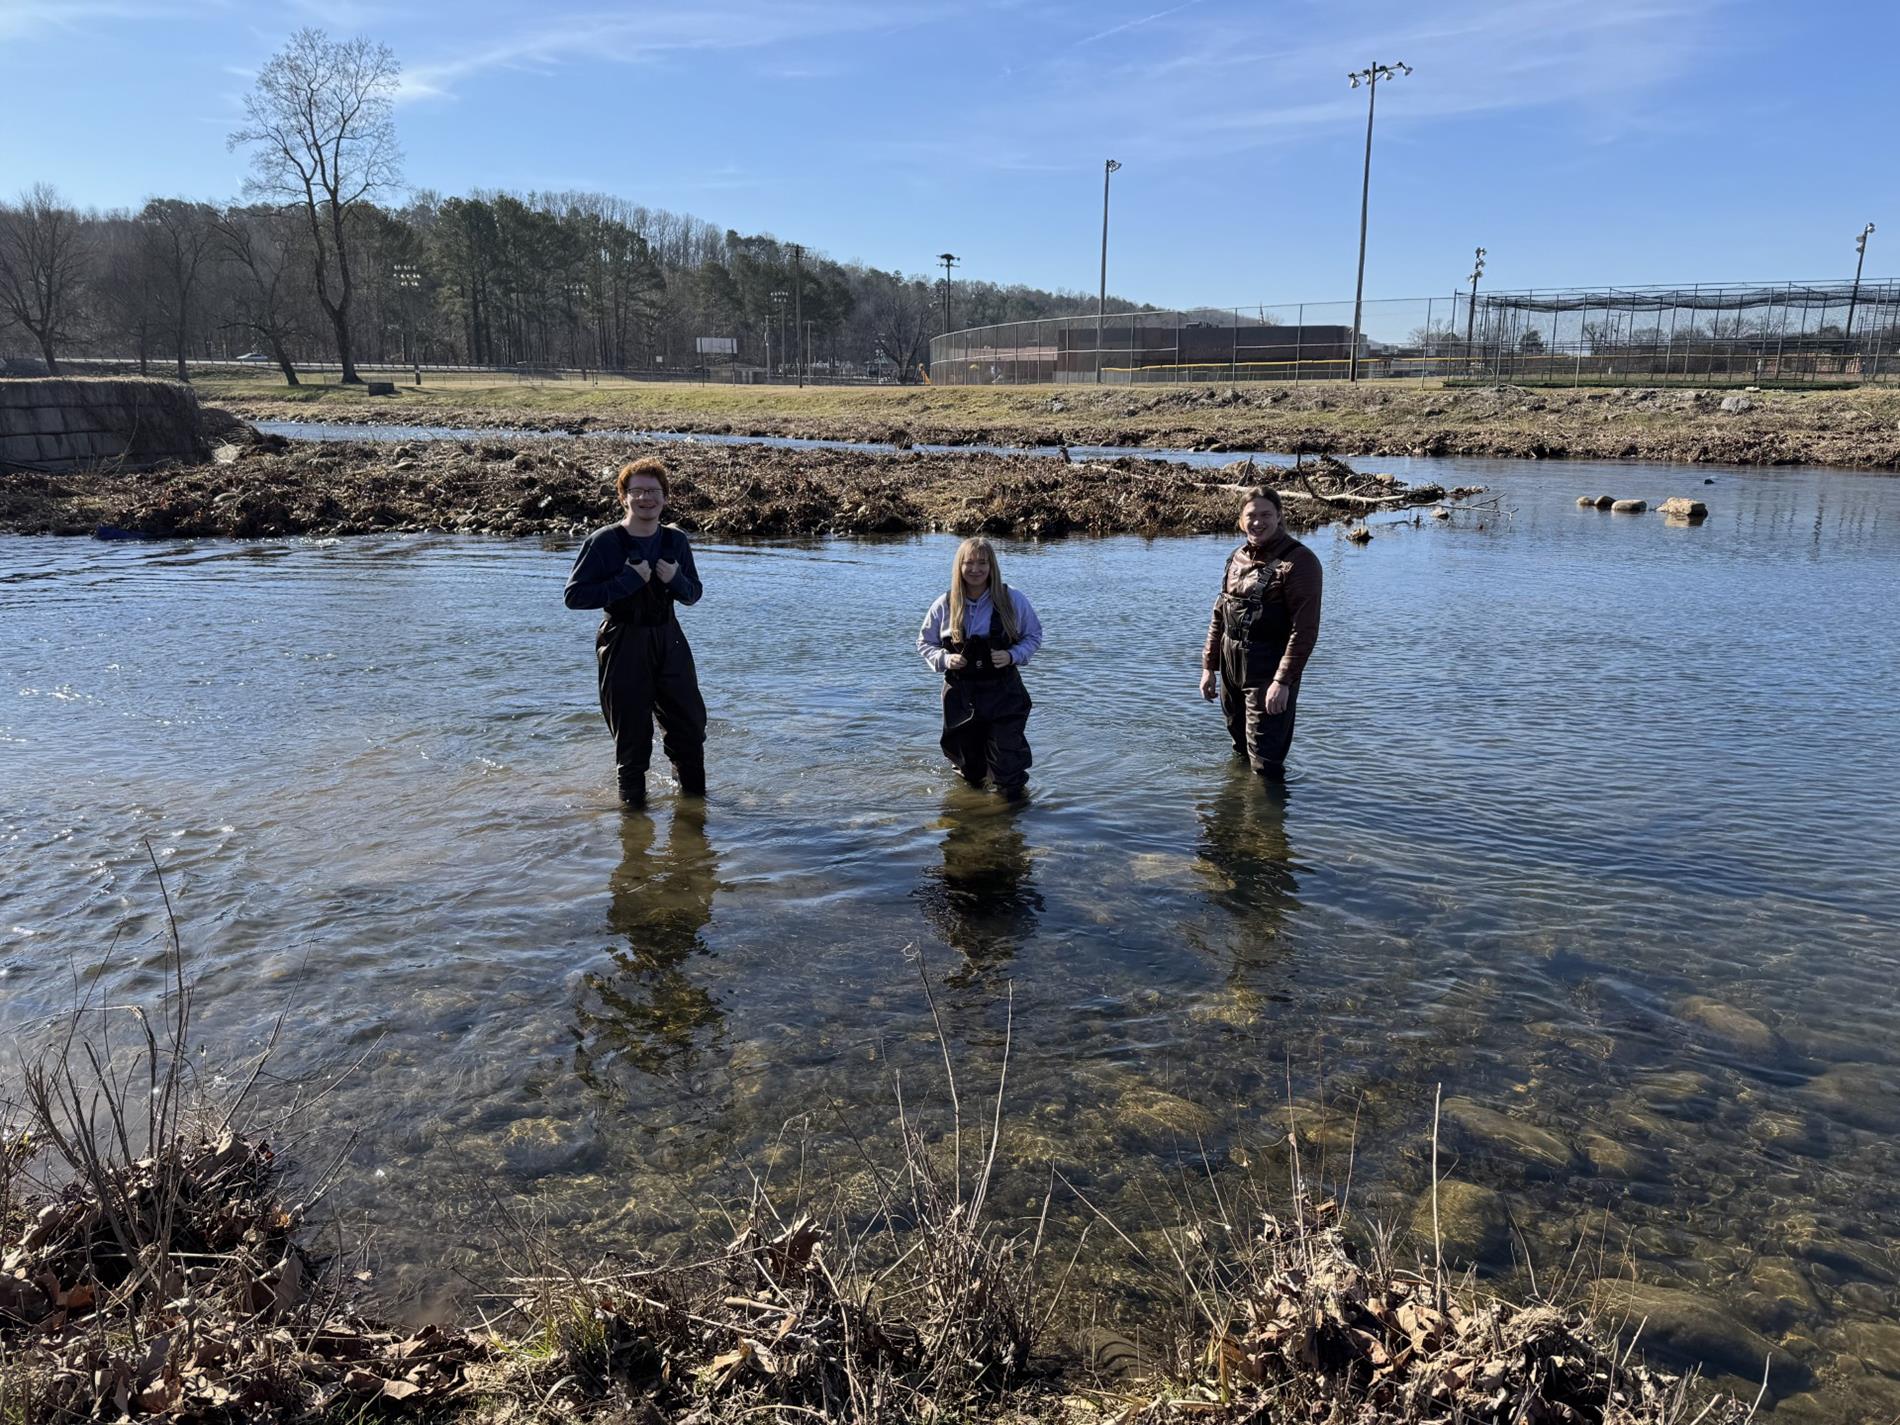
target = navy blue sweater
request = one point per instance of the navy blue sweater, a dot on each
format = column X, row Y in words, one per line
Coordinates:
column 604, row 578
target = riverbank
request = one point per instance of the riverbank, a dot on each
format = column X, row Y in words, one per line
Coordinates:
column 1855, row 428
column 180, row 1282
column 268, row 487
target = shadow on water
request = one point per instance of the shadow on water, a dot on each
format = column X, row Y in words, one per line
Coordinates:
column 983, row 899
column 647, row 1011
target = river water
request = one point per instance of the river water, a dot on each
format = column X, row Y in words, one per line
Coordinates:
column 1592, row 824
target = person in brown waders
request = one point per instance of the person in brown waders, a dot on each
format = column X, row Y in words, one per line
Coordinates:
column 636, row 571
column 978, row 636
column 1265, row 624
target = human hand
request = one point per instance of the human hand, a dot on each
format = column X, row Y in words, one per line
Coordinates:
column 954, row 660
column 1277, row 697
column 1207, row 684
column 1000, row 658
column 666, row 569
column 643, row 569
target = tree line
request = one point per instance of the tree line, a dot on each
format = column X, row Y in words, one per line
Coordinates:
column 323, row 261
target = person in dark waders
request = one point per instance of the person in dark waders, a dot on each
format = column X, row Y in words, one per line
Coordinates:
column 1265, row 624
column 979, row 635
column 636, row 571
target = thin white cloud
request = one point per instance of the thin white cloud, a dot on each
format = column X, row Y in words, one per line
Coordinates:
column 1137, row 23
column 647, row 33
column 1239, row 79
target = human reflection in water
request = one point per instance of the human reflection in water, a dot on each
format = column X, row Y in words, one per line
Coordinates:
column 983, row 900
column 647, row 1012
column 1245, row 847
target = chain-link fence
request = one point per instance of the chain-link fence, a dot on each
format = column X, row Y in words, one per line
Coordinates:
column 1803, row 333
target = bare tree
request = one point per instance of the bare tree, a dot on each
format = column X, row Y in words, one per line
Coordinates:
column 178, row 234
column 263, row 241
column 901, row 315
column 325, row 141
column 42, row 264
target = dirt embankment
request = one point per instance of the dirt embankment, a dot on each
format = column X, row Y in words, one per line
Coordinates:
column 1845, row 428
column 270, row 487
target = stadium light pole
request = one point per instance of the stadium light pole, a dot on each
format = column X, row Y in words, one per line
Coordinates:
column 949, row 260
column 1370, row 77
column 798, row 308
column 1477, row 271
column 409, row 278
column 1101, row 301
column 1853, row 301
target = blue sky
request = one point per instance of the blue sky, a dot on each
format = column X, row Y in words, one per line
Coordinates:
column 1580, row 141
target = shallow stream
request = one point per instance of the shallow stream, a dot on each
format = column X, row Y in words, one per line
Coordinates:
column 1592, row 824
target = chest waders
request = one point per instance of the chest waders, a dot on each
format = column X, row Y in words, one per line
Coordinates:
column 646, row 672
column 985, row 716
column 1255, row 628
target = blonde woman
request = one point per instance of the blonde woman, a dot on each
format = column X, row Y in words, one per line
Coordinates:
column 978, row 636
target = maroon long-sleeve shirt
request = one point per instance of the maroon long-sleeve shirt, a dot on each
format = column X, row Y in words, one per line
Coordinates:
column 1301, row 582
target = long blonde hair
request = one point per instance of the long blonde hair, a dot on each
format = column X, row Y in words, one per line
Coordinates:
column 1002, row 607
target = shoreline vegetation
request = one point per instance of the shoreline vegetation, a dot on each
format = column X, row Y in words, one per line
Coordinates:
column 1851, row 428
column 156, row 1268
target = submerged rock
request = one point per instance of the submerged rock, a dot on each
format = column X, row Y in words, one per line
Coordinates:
column 1474, row 1225
column 1688, row 1327
column 1734, row 1028
column 1865, row 1095
column 1628, row 507
column 1537, row 1147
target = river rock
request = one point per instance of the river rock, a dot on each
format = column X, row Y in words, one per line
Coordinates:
column 1619, row 1158
column 1682, row 507
column 1586, row 502
column 539, row 1147
column 1686, row 1327
column 1678, row 1093
column 1865, row 1095
column 1156, row 1118
column 1733, row 1028
column 1628, row 507
column 1776, row 1294
column 1604, row 502
column 1875, row 1344
column 1474, row 1225
column 1537, row 1147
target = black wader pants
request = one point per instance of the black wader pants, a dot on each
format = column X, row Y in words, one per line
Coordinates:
column 646, row 671
column 985, row 719
column 1264, row 738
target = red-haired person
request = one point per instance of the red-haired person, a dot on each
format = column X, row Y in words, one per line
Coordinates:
column 1265, row 624
column 636, row 571
column 978, row 635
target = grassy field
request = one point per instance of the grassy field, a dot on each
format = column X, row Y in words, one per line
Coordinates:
column 1847, row 428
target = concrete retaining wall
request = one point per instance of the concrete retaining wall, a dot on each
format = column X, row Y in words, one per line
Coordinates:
column 61, row 423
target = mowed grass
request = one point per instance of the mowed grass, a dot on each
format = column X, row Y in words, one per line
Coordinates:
column 473, row 392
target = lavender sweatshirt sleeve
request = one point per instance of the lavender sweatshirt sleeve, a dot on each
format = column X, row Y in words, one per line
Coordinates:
column 930, row 636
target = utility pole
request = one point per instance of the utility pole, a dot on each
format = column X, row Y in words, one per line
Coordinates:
column 1477, row 271
column 798, row 306
column 1860, row 246
column 1101, row 301
column 1370, row 76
